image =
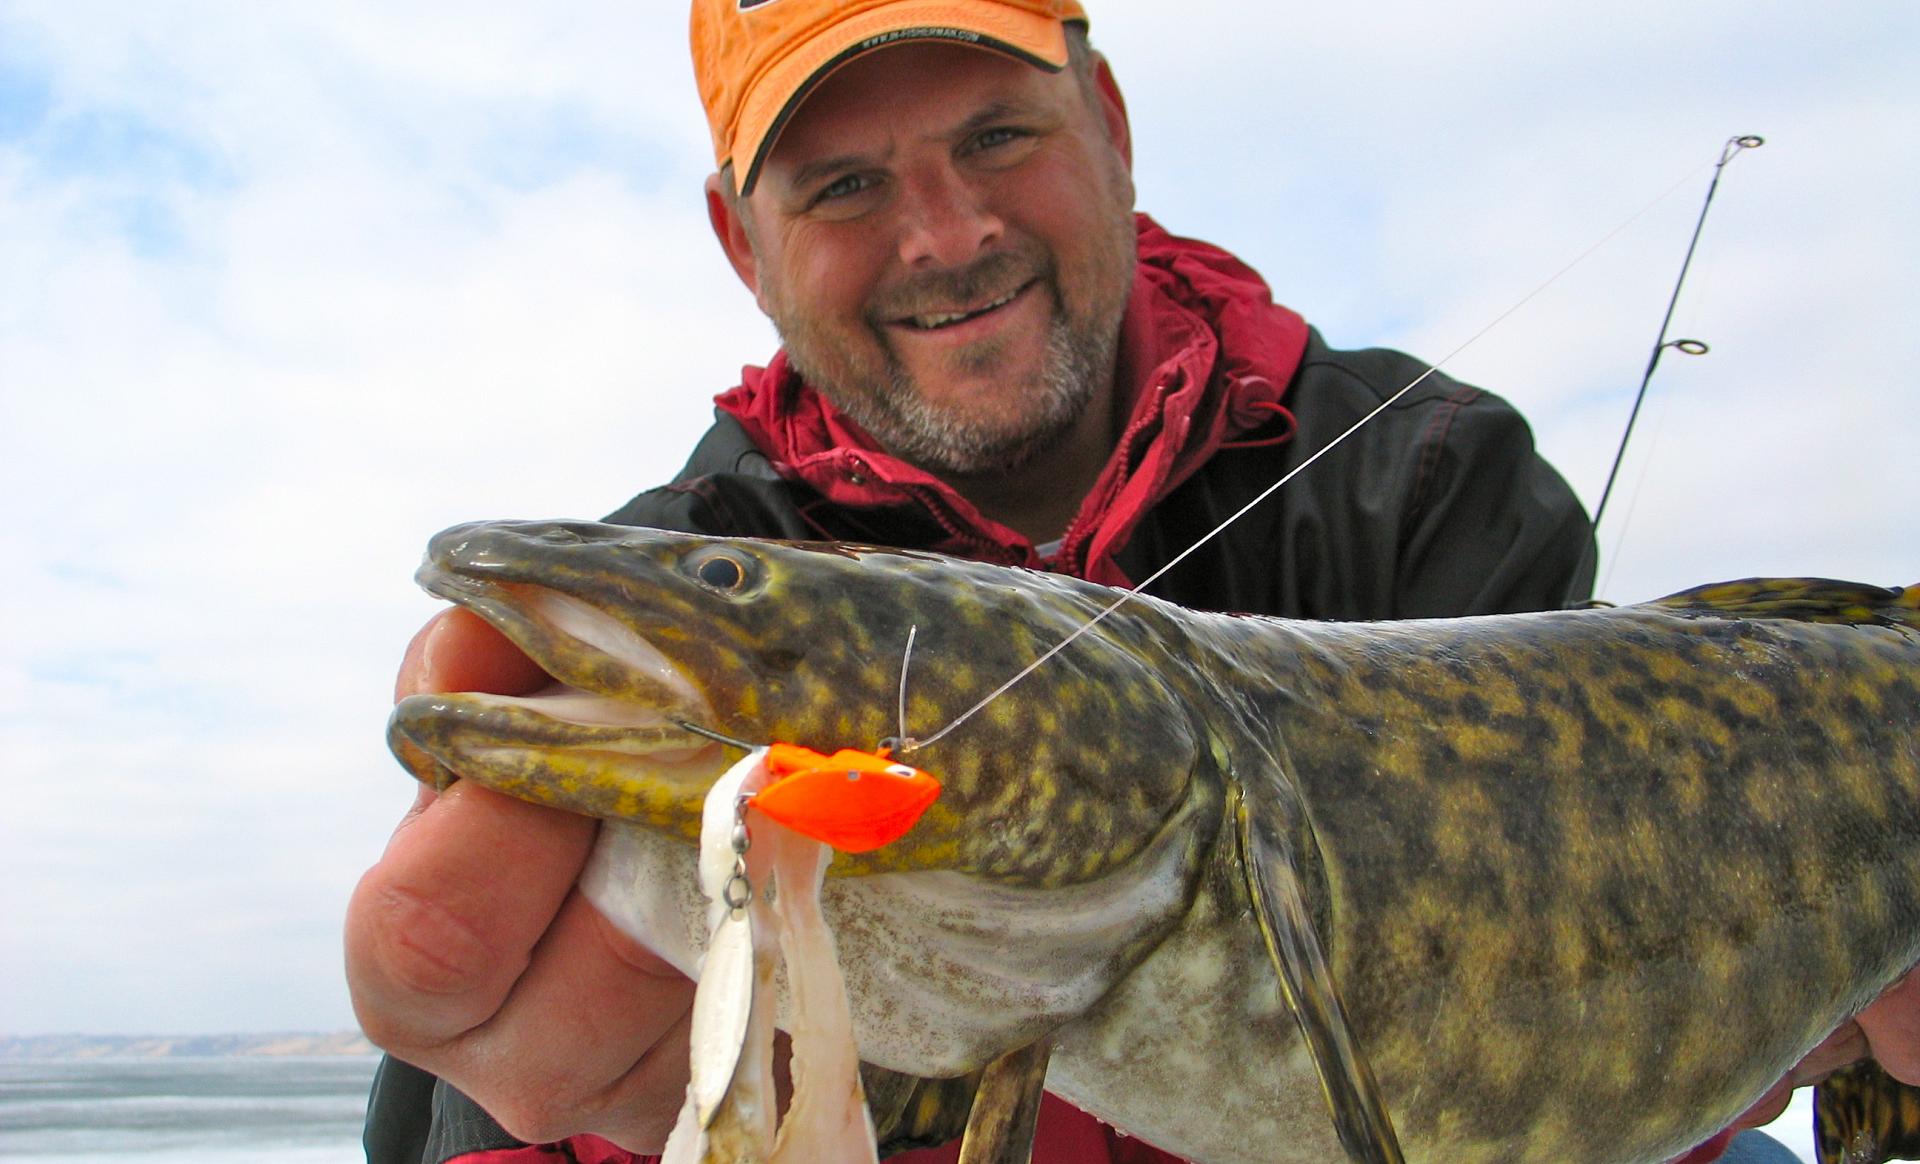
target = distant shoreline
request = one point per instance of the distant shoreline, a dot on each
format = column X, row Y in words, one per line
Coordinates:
column 282, row 1043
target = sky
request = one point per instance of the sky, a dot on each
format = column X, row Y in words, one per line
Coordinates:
column 286, row 288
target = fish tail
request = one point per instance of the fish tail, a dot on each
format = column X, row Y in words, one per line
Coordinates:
column 1805, row 600
column 1862, row 1115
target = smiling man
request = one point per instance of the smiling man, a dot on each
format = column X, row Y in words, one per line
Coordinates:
column 986, row 352
column 950, row 266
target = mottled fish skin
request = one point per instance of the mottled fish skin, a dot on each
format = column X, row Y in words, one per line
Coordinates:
column 1594, row 874
column 1589, row 881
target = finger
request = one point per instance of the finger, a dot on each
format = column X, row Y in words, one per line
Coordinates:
column 1847, row 1044
column 438, row 931
column 458, row 651
column 1892, row 1027
column 1768, row 1108
column 592, row 1038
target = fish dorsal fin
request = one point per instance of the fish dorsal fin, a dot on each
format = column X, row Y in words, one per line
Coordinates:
column 1270, row 861
column 1862, row 1115
column 1803, row 600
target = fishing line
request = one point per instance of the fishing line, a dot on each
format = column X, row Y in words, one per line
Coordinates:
column 906, row 660
column 1691, row 347
column 908, row 743
column 1657, row 424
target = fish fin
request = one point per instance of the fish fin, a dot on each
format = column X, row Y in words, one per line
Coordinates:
column 1000, row 1129
column 910, row 1111
column 1862, row 1115
column 1270, row 862
column 1803, row 599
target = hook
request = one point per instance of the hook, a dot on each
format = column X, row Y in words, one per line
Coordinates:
column 697, row 730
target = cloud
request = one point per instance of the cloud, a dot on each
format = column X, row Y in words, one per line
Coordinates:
column 288, row 288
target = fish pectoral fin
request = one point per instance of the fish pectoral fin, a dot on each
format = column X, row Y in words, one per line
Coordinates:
column 1862, row 1115
column 1000, row 1128
column 995, row 1107
column 911, row 1111
column 1270, row 861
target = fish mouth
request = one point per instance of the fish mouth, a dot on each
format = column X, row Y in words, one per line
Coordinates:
column 605, row 736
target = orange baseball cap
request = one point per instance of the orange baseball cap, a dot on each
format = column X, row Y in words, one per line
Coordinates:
column 756, row 60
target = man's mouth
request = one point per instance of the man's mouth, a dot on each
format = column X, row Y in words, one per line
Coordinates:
column 935, row 320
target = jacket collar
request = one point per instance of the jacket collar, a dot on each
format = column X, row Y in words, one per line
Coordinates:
column 1205, row 356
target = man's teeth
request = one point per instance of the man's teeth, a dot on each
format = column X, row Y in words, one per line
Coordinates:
column 945, row 318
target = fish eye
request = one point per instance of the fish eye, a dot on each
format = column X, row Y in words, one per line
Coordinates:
column 722, row 571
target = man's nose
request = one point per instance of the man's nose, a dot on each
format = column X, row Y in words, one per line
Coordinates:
column 946, row 220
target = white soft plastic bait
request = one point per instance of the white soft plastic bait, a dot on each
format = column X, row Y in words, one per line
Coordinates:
column 762, row 882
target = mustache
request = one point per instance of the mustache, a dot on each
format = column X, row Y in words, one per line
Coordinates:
column 987, row 278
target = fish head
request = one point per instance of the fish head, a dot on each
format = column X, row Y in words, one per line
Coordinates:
column 1059, row 780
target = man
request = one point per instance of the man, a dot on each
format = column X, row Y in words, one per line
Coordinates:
column 985, row 353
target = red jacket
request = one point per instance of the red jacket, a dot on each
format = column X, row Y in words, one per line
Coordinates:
column 1065, row 1135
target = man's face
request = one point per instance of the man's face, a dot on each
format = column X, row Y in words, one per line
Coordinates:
column 944, row 238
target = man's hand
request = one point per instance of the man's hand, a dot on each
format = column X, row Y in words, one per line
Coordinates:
column 1892, row 1029
column 471, row 954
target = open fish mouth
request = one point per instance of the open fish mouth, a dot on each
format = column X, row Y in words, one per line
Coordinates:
column 607, row 731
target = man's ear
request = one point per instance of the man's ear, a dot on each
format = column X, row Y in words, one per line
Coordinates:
column 1113, row 108
column 724, row 213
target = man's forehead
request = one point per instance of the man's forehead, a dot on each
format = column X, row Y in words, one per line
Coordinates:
column 908, row 90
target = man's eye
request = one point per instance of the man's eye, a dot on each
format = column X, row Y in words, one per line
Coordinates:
column 841, row 188
column 998, row 136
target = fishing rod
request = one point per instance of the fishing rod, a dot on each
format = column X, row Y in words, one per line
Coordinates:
column 1691, row 347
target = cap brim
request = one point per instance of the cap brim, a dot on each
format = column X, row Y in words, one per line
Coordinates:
column 1037, row 39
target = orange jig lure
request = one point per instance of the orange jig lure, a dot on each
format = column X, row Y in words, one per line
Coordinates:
column 855, row 801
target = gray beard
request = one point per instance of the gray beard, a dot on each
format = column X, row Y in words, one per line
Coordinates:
column 907, row 426
column 1079, row 362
